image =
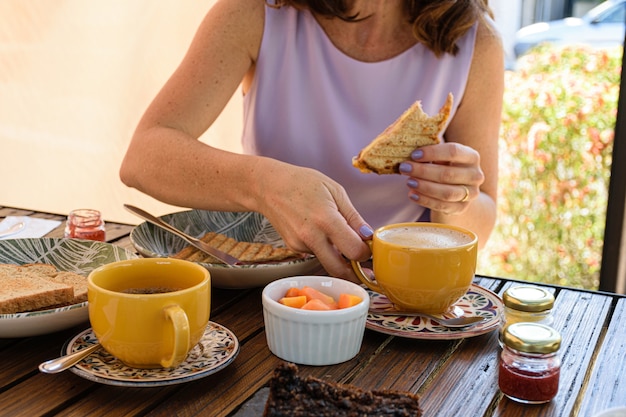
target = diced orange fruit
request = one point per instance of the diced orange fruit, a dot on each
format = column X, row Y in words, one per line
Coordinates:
column 348, row 300
column 293, row 292
column 313, row 294
column 316, row 304
column 308, row 298
column 293, row 301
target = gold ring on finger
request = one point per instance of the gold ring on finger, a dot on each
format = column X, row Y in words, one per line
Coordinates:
column 467, row 193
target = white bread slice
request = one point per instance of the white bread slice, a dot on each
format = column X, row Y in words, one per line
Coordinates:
column 394, row 145
column 28, row 293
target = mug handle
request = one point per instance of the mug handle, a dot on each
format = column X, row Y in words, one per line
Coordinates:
column 362, row 276
column 181, row 336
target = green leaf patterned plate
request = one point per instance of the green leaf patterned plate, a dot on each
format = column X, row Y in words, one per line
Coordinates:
column 217, row 348
column 151, row 241
column 79, row 256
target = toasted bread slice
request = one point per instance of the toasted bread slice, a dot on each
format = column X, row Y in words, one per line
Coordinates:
column 244, row 251
column 8, row 270
column 41, row 269
column 38, row 286
column 411, row 130
column 77, row 281
column 27, row 292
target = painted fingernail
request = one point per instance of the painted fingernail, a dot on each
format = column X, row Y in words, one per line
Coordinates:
column 414, row 197
column 405, row 168
column 366, row 231
column 412, row 183
column 417, row 154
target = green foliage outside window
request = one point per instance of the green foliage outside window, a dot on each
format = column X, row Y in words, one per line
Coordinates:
column 556, row 142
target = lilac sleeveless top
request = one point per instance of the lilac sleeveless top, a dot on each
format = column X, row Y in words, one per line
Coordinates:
column 313, row 106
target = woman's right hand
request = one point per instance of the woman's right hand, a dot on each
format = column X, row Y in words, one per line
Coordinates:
column 313, row 214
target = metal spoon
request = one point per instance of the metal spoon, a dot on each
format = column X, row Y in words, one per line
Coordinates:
column 463, row 321
column 12, row 230
column 64, row 362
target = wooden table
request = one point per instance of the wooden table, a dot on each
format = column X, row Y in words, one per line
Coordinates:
column 453, row 378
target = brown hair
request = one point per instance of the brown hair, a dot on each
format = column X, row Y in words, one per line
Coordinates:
column 438, row 24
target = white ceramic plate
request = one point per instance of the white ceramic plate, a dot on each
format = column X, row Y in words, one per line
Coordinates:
column 217, row 348
column 151, row 241
column 79, row 256
column 478, row 301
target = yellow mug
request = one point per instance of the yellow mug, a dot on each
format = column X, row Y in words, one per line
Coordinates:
column 149, row 312
column 424, row 267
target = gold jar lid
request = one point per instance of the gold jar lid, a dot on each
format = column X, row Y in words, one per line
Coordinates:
column 532, row 338
column 528, row 298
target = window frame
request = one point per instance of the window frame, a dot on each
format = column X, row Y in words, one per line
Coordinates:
column 613, row 267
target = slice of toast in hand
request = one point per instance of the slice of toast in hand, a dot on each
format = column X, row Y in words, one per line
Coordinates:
column 394, row 145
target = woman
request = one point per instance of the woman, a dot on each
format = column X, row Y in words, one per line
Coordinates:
column 321, row 79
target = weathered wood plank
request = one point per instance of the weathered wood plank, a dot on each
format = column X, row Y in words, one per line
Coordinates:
column 22, row 356
column 608, row 378
column 40, row 394
column 467, row 382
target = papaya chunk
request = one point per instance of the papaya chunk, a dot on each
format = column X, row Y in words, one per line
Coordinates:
column 316, row 304
column 348, row 300
column 296, row 301
column 293, row 292
column 313, row 294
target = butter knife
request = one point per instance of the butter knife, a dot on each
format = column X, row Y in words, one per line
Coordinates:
column 222, row 256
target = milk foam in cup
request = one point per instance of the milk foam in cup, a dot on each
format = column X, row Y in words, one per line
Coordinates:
column 149, row 312
column 423, row 267
column 425, row 237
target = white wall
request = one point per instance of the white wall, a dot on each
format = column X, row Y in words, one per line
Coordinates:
column 75, row 76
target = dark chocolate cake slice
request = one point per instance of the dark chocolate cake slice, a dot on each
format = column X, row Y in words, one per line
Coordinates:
column 293, row 396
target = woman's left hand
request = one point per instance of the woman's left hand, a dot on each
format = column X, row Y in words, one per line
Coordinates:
column 445, row 177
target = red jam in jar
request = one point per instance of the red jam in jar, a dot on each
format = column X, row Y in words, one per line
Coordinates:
column 85, row 224
column 529, row 367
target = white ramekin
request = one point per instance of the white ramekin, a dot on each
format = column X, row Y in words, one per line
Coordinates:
column 309, row 337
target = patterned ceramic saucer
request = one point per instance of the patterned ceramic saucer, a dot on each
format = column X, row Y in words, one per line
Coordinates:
column 478, row 301
column 216, row 350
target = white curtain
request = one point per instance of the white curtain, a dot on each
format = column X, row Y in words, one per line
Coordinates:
column 75, row 77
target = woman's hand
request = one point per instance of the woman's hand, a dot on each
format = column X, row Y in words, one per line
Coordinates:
column 313, row 214
column 445, row 178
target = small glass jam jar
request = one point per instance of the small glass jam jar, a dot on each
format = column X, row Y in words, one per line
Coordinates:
column 530, row 367
column 527, row 303
column 85, row 224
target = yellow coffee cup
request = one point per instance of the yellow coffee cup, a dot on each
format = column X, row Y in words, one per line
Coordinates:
column 150, row 312
column 423, row 267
